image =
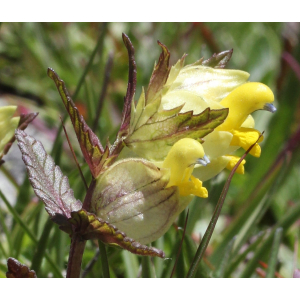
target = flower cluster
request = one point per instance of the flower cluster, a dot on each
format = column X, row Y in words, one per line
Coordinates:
column 188, row 124
column 197, row 87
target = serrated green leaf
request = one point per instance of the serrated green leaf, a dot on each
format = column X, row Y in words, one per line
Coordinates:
column 154, row 140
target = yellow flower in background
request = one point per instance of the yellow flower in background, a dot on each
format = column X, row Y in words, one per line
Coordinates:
column 8, row 125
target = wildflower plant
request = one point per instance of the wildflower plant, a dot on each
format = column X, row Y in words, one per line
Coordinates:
column 183, row 130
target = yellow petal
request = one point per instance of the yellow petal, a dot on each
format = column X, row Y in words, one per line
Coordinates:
column 193, row 187
column 244, row 100
column 181, row 159
column 246, row 137
column 233, row 161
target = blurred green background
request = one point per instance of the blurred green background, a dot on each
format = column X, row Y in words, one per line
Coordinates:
column 266, row 198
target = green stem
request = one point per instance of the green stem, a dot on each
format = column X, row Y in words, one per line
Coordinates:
column 104, row 260
column 214, row 219
column 147, row 269
column 41, row 247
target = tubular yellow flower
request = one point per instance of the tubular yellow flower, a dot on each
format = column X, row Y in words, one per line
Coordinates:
column 244, row 100
column 181, row 161
column 196, row 87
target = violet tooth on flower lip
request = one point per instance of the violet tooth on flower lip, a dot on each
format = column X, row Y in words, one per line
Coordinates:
column 203, row 161
column 270, row 107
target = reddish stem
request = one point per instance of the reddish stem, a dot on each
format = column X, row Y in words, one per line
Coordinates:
column 75, row 256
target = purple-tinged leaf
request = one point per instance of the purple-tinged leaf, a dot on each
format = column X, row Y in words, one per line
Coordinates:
column 159, row 76
column 90, row 145
column 131, row 84
column 25, row 119
column 47, row 180
column 89, row 226
column 18, row 270
column 219, row 60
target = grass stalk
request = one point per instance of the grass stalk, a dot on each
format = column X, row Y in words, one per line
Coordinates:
column 29, row 233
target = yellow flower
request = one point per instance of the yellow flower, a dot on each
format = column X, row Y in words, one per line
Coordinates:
column 8, row 124
column 183, row 130
column 181, row 161
column 197, row 87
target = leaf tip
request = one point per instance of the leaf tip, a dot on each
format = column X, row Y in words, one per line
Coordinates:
column 51, row 73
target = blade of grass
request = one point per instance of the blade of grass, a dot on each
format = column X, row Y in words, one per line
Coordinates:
column 23, row 198
column 180, row 245
column 6, row 232
column 220, row 271
column 190, row 248
column 41, row 247
column 296, row 243
column 159, row 263
column 285, row 222
column 210, row 229
column 261, row 208
column 131, row 265
column 274, row 253
column 104, row 260
column 239, row 258
column 80, row 83
column 9, row 176
column 74, row 156
column 29, row 215
column 3, row 250
column 107, row 72
column 90, row 265
column 147, row 268
column 98, row 46
column 29, row 233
